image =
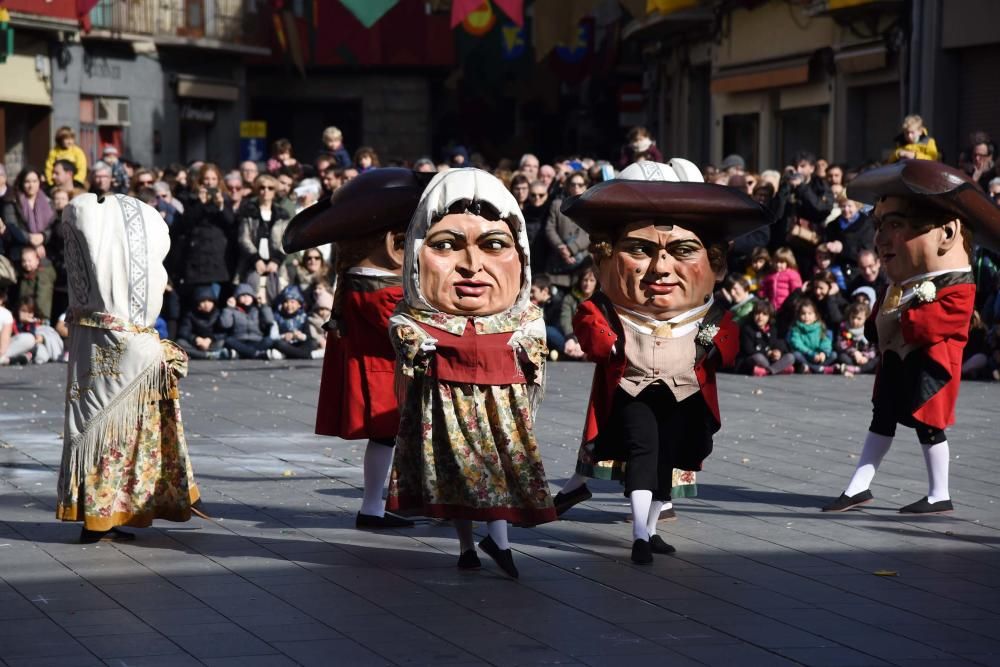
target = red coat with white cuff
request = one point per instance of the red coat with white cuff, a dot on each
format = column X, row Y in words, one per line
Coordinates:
column 599, row 330
column 357, row 398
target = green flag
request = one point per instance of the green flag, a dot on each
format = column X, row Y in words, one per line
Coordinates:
column 369, row 11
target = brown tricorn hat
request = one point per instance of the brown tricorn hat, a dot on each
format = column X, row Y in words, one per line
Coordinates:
column 375, row 201
column 942, row 189
column 715, row 213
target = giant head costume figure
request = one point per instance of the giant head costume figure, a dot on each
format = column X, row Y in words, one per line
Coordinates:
column 659, row 235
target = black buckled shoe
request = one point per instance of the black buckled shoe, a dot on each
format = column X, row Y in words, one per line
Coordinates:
column 846, row 502
column 924, row 506
column 658, row 546
column 390, row 520
column 564, row 501
column 469, row 560
column 113, row 535
column 642, row 552
column 502, row 557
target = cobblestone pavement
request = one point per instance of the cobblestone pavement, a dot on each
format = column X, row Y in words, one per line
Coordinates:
column 281, row 577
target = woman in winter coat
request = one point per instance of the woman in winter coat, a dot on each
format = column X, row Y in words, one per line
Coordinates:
column 209, row 233
column 28, row 214
column 260, row 225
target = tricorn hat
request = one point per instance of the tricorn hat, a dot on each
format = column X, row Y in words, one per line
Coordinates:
column 713, row 212
column 377, row 200
column 936, row 186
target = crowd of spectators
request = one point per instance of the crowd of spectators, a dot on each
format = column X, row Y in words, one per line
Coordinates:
column 800, row 289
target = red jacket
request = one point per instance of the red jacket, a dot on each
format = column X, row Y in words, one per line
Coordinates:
column 357, row 399
column 598, row 329
column 930, row 376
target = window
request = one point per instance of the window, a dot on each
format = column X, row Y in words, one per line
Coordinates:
column 741, row 135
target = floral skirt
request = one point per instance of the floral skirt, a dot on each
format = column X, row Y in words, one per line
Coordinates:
column 146, row 477
column 685, row 483
column 468, row 451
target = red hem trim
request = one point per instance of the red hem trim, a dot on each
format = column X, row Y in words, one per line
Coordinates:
column 414, row 506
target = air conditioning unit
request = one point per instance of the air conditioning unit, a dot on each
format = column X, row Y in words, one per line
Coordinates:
column 112, row 111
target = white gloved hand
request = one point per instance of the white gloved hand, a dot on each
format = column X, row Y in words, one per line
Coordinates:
column 428, row 345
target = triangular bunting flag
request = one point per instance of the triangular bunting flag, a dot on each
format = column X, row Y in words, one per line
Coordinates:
column 462, row 8
column 514, row 9
column 369, row 11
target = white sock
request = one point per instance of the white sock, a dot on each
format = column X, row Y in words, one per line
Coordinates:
column 875, row 449
column 464, row 529
column 641, row 502
column 655, row 508
column 573, row 483
column 378, row 462
column 667, row 505
column 498, row 531
column 937, row 459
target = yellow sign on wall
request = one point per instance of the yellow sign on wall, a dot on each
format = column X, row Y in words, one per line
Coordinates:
column 253, row 129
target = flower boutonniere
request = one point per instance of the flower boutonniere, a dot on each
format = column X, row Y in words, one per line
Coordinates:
column 925, row 292
column 706, row 334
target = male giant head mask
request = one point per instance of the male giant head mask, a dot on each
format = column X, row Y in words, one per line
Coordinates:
column 659, row 235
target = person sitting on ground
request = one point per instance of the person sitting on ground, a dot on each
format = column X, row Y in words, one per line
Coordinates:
column 865, row 295
column 855, row 353
column 781, row 278
column 37, row 282
column 824, row 264
column 914, row 142
column 741, row 300
column 583, row 288
column 320, row 314
column 551, row 307
column 830, row 303
column 809, row 341
column 36, row 342
column 198, row 333
column 762, row 351
column 760, row 259
column 294, row 341
column 247, row 323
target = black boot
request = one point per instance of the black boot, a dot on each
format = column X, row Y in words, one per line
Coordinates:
column 502, row 557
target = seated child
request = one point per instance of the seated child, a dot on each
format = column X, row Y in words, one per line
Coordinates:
column 810, row 342
column 824, row 263
column 855, row 353
column 736, row 289
column 760, row 258
column 541, row 296
column 294, row 341
column 865, row 295
column 321, row 312
column 246, row 322
column 35, row 341
column 198, row 333
column 762, row 351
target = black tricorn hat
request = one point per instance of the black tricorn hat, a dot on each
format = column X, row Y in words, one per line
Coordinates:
column 940, row 188
column 713, row 212
column 377, row 200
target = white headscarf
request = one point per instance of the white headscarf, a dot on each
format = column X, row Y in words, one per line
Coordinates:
column 115, row 247
column 445, row 189
column 677, row 170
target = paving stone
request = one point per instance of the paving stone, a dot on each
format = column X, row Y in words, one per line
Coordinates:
column 281, row 577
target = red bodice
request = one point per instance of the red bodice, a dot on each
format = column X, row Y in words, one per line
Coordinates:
column 474, row 358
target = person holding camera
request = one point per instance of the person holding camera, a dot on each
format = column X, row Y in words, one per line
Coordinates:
column 209, row 231
column 801, row 207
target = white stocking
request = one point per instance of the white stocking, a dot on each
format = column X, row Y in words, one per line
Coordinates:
column 573, row 483
column 464, row 529
column 641, row 502
column 875, row 449
column 498, row 531
column 378, row 461
column 655, row 508
column 937, row 458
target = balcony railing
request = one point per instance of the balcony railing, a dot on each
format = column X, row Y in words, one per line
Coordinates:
column 222, row 20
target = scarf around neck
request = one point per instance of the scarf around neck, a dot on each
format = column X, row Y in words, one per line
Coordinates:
column 36, row 219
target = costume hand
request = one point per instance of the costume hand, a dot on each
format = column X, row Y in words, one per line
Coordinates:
column 428, row 345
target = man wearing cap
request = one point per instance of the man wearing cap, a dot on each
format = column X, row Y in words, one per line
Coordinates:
column 925, row 213
column 367, row 219
column 659, row 239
